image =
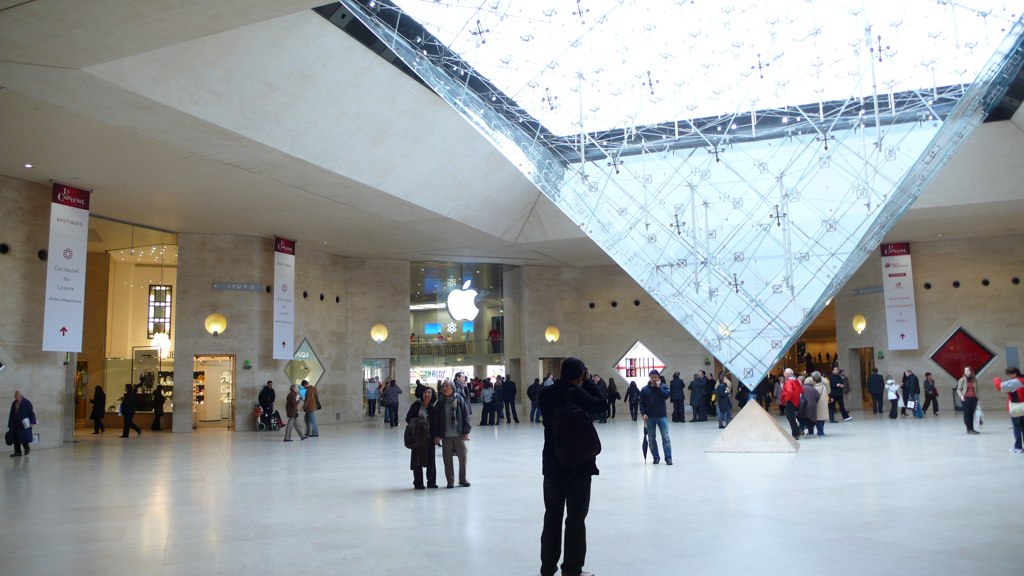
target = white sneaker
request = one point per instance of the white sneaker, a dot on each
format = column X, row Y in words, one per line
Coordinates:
column 1016, row 450
column 848, row 418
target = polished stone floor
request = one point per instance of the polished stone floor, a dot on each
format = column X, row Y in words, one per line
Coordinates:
column 875, row 496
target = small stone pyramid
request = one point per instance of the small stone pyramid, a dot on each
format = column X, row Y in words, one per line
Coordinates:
column 754, row 430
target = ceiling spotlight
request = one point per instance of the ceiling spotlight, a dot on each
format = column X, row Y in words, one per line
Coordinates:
column 785, row 119
column 27, row 165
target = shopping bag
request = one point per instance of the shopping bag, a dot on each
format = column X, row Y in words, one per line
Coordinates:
column 979, row 418
column 912, row 404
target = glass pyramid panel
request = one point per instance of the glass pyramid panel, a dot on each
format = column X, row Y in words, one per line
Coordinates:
column 738, row 160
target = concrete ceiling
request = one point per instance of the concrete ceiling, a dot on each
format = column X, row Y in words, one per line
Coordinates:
column 257, row 117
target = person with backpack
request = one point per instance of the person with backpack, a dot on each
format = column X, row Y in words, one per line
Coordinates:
column 563, row 407
column 655, row 415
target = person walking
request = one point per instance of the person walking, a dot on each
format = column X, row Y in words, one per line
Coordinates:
column 309, row 406
column 931, row 394
column 451, row 427
column 633, row 399
column 892, row 392
column 911, row 393
column 838, row 395
column 532, row 393
column 129, row 404
column 1013, row 387
column 723, row 400
column 20, row 423
column 566, row 488
column 967, row 389
column 291, row 410
column 508, row 391
column 99, row 409
column 677, row 393
column 790, row 400
column 876, row 387
column 487, row 397
column 421, row 416
column 655, row 415
column 613, row 395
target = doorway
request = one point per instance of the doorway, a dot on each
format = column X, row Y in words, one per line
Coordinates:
column 551, row 366
column 213, row 392
column 865, row 363
column 379, row 370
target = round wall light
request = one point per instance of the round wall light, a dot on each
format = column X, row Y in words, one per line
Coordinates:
column 859, row 323
column 379, row 333
column 551, row 334
column 216, row 324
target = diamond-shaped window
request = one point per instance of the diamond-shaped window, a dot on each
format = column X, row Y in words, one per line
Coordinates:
column 961, row 350
column 304, row 365
column 638, row 363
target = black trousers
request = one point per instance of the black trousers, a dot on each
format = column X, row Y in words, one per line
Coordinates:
column 97, row 425
column 156, row 422
column 510, row 411
column 876, row 403
column 791, row 416
column 931, row 401
column 18, row 445
column 678, row 412
column 633, row 408
column 571, row 497
column 839, row 403
column 129, row 423
column 893, row 405
column 417, row 474
column 371, row 407
column 611, row 408
column 970, row 405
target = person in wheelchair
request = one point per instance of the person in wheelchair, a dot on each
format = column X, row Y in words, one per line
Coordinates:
column 269, row 418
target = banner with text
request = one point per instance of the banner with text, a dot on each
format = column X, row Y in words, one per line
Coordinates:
column 65, row 269
column 898, row 290
column 284, row 298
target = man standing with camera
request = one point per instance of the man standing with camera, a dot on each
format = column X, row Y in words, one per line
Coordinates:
column 566, row 487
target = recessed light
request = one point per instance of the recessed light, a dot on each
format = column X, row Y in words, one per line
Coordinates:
column 938, row 235
column 27, row 165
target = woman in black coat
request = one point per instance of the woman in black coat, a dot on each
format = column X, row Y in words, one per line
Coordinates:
column 20, row 435
column 421, row 416
column 99, row 403
column 129, row 404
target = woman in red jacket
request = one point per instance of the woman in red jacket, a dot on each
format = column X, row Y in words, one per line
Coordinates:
column 1014, row 389
column 790, row 399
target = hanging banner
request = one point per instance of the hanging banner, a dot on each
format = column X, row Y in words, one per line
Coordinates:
column 898, row 290
column 284, row 298
column 65, row 269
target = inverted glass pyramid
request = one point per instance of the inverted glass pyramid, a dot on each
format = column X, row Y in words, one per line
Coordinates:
column 738, row 160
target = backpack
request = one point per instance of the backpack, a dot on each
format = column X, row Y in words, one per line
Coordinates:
column 575, row 438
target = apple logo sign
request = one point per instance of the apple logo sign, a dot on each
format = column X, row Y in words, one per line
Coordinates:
column 462, row 303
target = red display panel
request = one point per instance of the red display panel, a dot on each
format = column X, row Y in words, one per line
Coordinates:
column 960, row 350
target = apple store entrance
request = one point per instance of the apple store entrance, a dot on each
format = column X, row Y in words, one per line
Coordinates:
column 456, row 316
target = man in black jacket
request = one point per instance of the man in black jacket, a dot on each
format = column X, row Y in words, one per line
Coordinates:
column 677, row 391
column 838, row 394
column 911, row 392
column 566, row 488
column 698, row 390
column 876, row 386
column 655, row 414
column 508, row 391
column 267, row 398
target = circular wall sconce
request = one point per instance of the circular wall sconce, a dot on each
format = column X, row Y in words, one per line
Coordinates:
column 216, row 323
column 859, row 323
column 379, row 333
column 551, row 334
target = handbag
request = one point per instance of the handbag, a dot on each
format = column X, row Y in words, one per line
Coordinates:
column 1016, row 409
column 9, row 437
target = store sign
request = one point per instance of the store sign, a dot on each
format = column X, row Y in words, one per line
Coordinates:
column 898, row 290
column 284, row 298
column 65, row 270
column 638, row 363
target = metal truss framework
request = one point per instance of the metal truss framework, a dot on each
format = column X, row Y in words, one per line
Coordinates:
column 744, row 221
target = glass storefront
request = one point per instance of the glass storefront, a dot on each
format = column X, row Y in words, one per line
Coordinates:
column 456, row 321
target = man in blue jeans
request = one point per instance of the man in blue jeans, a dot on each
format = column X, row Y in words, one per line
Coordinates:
column 652, row 406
